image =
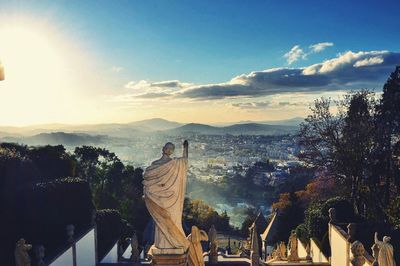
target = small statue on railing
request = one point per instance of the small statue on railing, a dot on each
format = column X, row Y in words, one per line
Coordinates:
column 375, row 254
column 385, row 255
column 282, row 250
column 21, row 253
column 195, row 257
column 293, row 256
column 332, row 216
column 351, row 231
column 358, row 251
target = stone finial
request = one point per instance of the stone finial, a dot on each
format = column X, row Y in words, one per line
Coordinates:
column 375, row 254
column 21, row 253
column 254, row 250
column 332, row 216
column 70, row 232
column 135, row 254
column 357, row 250
column 39, row 253
column 351, row 231
column 212, row 237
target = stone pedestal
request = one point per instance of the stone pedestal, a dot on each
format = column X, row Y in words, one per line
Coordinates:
column 168, row 256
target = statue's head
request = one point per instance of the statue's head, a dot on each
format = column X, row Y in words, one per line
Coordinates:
column 168, row 148
column 386, row 239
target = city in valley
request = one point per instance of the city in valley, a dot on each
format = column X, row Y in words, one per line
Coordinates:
column 256, row 160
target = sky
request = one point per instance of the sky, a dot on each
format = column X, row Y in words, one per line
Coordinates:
column 204, row 61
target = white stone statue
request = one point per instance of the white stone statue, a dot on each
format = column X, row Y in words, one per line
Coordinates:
column 164, row 194
column 292, row 243
column 385, row 257
column 21, row 253
column 282, row 248
column 195, row 254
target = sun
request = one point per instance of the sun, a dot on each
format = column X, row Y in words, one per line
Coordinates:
column 38, row 74
column 30, row 57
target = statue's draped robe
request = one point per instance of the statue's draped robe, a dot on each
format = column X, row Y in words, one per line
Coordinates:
column 385, row 257
column 164, row 193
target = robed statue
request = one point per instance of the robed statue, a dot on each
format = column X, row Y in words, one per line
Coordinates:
column 385, row 255
column 164, row 194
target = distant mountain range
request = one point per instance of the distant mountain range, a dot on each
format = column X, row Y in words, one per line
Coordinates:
column 90, row 134
column 56, row 138
column 238, row 129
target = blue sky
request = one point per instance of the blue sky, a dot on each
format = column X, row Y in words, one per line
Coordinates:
column 209, row 42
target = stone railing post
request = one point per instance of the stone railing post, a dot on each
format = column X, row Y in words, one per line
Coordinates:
column 135, row 254
column 308, row 251
column 213, row 252
column 357, row 251
column 70, row 234
column 254, row 251
column 39, row 253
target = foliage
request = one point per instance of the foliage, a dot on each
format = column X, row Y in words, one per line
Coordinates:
column 302, row 234
column 196, row 212
column 290, row 215
column 109, row 230
column 40, row 198
column 357, row 146
column 317, row 216
column 393, row 212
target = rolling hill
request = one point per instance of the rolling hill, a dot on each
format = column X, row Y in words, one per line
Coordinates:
column 238, row 129
column 57, row 138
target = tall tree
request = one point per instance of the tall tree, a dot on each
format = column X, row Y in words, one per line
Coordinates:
column 357, row 139
column 387, row 134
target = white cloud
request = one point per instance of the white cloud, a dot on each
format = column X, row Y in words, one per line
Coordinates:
column 117, row 69
column 252, row 105
column 369, row 68
column 369, row 62
column 319, row 47
column 294, row 54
